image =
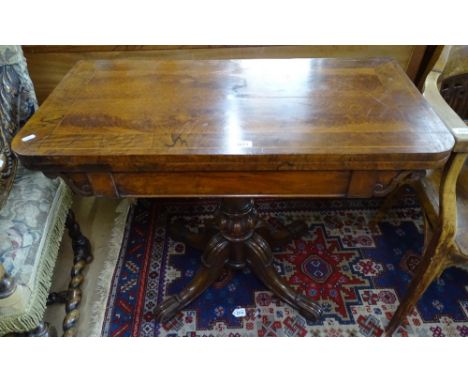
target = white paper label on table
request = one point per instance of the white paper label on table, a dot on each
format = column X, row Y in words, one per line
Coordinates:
column 244, row 144
column 28, row 138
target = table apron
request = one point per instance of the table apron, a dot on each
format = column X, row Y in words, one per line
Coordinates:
column 353, row 184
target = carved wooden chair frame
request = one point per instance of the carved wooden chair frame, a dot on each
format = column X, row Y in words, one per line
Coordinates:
column 447, row 82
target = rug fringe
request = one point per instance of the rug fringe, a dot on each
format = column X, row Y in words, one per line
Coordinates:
column 101, row 294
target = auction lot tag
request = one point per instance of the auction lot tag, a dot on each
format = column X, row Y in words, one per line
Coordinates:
column 244, row 144
column 239, row 312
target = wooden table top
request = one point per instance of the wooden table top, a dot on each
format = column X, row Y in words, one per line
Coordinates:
column 234, row 115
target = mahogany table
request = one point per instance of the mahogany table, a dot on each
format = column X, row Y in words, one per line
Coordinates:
column 235, row 129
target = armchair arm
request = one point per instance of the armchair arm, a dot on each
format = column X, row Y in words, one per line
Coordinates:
column 432, row 94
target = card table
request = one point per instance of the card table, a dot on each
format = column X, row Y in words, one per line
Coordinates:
column 235, row 130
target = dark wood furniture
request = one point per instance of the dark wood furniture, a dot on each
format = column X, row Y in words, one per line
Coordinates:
column 235, row 129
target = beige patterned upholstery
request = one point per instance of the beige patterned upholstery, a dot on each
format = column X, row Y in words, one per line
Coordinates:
column 33, row 208
column 32, row 222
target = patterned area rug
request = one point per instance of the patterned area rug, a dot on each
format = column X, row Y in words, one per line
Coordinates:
column 358, row 275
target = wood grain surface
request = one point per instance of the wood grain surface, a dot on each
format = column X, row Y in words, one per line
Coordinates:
column 234, row 115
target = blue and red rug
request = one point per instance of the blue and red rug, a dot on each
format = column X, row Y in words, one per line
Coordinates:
column 358, row 275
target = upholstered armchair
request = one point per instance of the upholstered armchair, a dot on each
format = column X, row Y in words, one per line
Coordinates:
column 34, row 211
column 444, row 193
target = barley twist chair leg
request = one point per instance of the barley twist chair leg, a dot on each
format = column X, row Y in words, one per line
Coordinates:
column 81, row 258
column 72, row 296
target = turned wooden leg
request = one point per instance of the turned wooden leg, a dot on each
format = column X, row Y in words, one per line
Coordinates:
column 44, row 329
column 7, row 283
column 82, row 256
column 278, row 237
column 439, row 253
column 260, row 259
column 199, row 240
column 213, row 260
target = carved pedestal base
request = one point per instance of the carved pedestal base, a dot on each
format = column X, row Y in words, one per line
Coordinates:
column 236, row 237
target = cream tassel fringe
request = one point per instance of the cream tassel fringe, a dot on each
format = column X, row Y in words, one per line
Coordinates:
column 48, row 251
column 103, row 285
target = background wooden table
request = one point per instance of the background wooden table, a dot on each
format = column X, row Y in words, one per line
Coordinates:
column 48, row 64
